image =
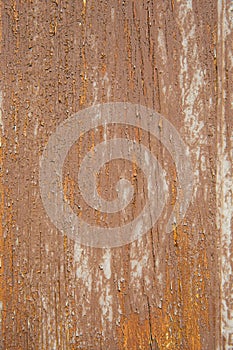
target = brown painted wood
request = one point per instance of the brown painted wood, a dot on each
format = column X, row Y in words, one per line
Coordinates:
column 163, row 290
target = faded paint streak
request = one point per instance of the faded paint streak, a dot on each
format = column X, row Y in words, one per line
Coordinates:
column 224, row 186
column 191, row 85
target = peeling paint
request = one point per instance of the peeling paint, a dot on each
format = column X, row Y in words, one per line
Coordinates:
column 107, row 264
column 160, row 292
column 224, row 185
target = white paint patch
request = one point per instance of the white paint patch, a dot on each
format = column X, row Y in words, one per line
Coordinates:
column 105, row 81
column 203, row 163
column 105, row 302
column 83, row 267
column 162, row 45
column 138, row 264
column 161, row 42
column 107, row 264
column 95, row 90
column 112, row 14
column 36, row 128
column 189, row 59
column 191, row 91
column 225, row 205
column 102, row 83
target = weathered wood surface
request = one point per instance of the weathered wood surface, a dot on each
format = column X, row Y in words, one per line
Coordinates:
column 159, row 292
column 224, row 166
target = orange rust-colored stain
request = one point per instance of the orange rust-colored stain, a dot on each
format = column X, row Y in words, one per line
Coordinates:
column 173, row 4
column 190, row 309
column 7, row 285
column 188, row 302
column 15, row 16
column 173, row 201
column 136, row 334
column 167, row 329
column 68, row 189
column 103, row 68
column 186, row 296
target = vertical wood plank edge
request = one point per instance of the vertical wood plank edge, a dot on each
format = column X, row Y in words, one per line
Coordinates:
column 224, row 183
column 1, row 199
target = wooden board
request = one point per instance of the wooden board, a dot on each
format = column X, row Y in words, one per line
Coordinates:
column 165, row 290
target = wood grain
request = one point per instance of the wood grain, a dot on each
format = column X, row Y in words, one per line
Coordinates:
column 163, row 290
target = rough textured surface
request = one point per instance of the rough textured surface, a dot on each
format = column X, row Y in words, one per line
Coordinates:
column 161, row 292
column 224, row 166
